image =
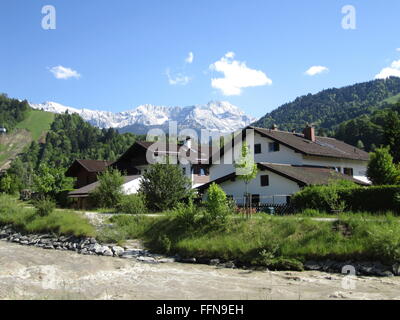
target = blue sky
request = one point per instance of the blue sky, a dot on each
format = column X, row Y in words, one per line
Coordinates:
column 116, row 55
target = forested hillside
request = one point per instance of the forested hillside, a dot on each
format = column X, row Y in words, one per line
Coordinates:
column 382, row 127
column 35, row 137
column 328, row 108
column 12, row 111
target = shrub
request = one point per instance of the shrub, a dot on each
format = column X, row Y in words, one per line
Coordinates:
column 109, row 192
column 164, row 186
column 217, row 206
column 164, row 243
column 381, row 169
column 186, row 215
column 371, row 199
column 44, row 207
column 132, row 204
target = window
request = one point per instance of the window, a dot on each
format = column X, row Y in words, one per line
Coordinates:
column 255, row 199
column 257, row 148
column 264, row 181
column 339, row 169
column 273, row 147
column 348, row 171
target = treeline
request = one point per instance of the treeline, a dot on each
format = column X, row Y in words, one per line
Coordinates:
column 381, row 128
column 12, row 111
column 69, row 138
column 328, row 108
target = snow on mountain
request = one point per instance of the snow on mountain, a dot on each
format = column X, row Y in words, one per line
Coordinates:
column 215, row 116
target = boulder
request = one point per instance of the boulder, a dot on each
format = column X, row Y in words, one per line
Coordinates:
column 396, row 269
column 118, row 251
column 107, row 252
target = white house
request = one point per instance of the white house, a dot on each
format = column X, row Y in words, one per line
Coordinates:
column 288, row 161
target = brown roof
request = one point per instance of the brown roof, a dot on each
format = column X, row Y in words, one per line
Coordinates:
column 136, row 155
column 89, row 165
column 84, row 191
column 322, row 147
column 303, row 175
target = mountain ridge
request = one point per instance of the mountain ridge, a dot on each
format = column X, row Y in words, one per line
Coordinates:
column 327, row 109
column 216, row 116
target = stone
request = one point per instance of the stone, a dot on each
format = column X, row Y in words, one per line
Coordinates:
column 229, row 265
column 166, row 260
column 146, row 259
column 107, row 252
column 94, row 247
column 189, row 260
column 396, row 269
column 312, row 265
column 214, row 262
column 132, row 253
column 118, row 251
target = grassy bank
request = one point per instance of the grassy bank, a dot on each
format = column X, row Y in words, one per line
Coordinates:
column 277, row 242
column 27, row 220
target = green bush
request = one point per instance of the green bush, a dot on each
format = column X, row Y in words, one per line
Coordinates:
column 188, row 215
column 217, row 206
column 132, row 204
column 108, row 193
column 44, row 207
column 326, row 198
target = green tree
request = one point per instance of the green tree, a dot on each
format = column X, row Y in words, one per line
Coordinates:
column 9, row 185
column 392, row 134
column 109, row 192
column 50, row 182
column 217, row 206
column 381, row 169
column 246, row 170
column 164, row 186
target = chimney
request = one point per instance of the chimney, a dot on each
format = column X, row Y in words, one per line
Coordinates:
column 309, row 133
column 274, row 127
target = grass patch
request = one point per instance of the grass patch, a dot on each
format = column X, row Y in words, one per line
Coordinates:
column 277, row 242
column 27, row 220
column 37, row 122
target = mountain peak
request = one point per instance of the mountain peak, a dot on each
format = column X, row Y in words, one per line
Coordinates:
column 218, row 116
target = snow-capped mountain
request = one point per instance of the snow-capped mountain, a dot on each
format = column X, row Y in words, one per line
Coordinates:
column 215, row 116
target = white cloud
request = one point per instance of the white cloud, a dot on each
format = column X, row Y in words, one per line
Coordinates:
column 61, row 72
column 236, row 76
column 314, row 70
column 392, row 71
column 177, row 78
column 189, row 58
column 398, row 49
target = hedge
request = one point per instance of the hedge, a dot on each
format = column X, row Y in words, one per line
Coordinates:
column 370, row 199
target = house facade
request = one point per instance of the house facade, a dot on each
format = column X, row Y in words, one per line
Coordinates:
column 86, row 171
column 136, row 160
column 288, row 161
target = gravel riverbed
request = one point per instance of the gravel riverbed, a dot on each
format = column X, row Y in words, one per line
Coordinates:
column 28, row 272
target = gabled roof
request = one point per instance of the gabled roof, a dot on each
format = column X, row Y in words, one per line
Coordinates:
column 84, row 191
column 322, row 147
column 303, row 175
column 88, row 165
column 137, row 152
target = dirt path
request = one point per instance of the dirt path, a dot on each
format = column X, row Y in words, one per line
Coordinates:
column 34, row 273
